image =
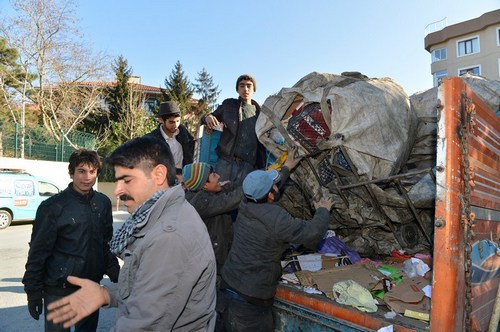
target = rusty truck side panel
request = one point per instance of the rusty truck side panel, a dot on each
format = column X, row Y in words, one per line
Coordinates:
column 467, row 210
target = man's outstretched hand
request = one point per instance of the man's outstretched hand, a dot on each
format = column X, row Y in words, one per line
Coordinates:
column 71, row 309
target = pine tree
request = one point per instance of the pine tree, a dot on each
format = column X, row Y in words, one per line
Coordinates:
column 119, row 94
column 179, row 88
column 128, row 117
column 207, row 91
column 15, row 84
column 11, row 82
column 11, row 73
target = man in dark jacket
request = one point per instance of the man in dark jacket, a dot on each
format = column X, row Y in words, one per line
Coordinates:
column 170, row 130
column 213, row 200
column 262, row 232
column 70, row 236
column 239, row 151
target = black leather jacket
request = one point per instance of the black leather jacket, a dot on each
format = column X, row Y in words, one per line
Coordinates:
column 228, row 112
column 70, row 237
column 185, row 139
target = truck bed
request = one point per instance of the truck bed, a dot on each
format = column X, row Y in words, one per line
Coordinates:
column 466, row 264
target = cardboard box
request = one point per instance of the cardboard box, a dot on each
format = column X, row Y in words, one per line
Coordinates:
column 364, row 274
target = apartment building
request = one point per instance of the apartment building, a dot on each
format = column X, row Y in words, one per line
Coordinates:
column 470, row 46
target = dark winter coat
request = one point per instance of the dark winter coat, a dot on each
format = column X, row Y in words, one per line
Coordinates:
column 214, row 209
column 229, row 113
column 70, row 236
column 185, row 139
column 262, row 232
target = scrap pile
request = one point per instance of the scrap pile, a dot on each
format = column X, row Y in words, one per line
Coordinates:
column 370, row 146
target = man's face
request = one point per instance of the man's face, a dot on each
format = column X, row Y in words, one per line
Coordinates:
column 246, row 90
column 170, row 125
column 84, row 178
column 134, row 186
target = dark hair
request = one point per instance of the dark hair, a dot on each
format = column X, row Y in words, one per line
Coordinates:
column 86, row 157
column 145, row 153
column 246, row 77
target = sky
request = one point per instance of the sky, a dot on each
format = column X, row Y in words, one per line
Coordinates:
column 278, row 42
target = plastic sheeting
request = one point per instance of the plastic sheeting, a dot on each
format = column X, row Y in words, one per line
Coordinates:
column 369, row 135
column 370, row 118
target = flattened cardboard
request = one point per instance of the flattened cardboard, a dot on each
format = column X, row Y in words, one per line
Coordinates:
column 408, row 294
column 364, row 274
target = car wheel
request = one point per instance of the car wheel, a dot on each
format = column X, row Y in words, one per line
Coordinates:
column 5, row 219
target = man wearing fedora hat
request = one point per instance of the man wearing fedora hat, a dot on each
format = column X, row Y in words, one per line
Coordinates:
column 178, row 138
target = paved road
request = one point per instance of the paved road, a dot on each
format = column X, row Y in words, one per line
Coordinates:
column 14, row 316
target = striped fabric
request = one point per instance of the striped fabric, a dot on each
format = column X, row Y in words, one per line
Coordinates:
column 195, row 175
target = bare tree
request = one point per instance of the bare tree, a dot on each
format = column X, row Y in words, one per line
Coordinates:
column 44, row 33
column 135, row 120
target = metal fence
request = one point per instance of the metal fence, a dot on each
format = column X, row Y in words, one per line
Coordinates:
column 39, row 144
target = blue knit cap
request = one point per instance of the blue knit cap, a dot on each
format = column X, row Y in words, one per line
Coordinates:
column 195, row 175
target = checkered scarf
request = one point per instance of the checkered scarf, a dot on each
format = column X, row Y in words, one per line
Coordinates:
column 134, row 223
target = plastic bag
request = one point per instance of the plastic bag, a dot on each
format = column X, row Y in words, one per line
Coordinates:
column 415, row 266
column 351, row 293
column 334, row 245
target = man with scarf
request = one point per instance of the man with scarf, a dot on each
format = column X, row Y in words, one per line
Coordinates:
column 168, row 277
column 239, row 151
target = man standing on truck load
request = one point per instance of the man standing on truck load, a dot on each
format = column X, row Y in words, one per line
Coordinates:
column 262, row 232
column 168, row 277
column 239, row 151
column 180, row 141
column 70, row 236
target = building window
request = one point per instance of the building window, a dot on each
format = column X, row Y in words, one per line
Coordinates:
column 151, row 105
column 498, row 36
column 476, row 70
column 468, row 46
column 439, row 54
column 438, row 76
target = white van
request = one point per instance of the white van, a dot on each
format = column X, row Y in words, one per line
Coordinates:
column 20, row 195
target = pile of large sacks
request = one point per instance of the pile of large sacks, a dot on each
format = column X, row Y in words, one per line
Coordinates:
column 370, row 146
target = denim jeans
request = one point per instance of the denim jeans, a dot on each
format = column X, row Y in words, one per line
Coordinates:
column 88, row 324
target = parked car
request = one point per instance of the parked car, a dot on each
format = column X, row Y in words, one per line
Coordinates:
column 20, row 195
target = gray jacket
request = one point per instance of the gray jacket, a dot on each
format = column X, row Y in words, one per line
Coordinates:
column 167, row 282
